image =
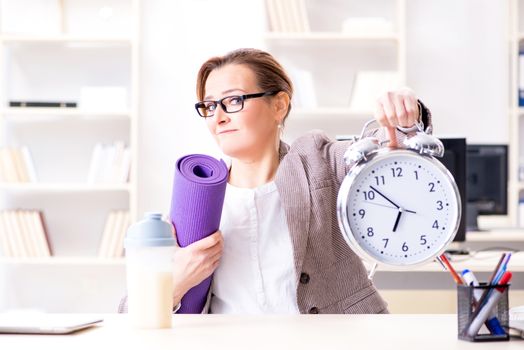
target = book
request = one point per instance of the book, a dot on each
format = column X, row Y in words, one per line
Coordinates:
column 521, row 78
column 115, row 233
column 42, row 234
column 271, row 11
column 119, row 248
column 368, row 86
column 20, row 166
column 305, row 94
column 5, row 241
column 110, row 163
column 8, row 165
column 43, row 104
column 29, row 164
column 26, row 234
column 106, row 234
column 18, row 244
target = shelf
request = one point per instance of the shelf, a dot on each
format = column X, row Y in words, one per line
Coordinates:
column 479, row 262
column 61, row 187
column 64, row 39
column 497, row 235
column 65, row 260
column 30, row 113
column 331, row 36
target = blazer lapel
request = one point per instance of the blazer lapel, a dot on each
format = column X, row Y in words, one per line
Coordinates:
column 293, row 187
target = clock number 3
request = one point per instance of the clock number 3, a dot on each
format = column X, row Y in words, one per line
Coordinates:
column 440, row 205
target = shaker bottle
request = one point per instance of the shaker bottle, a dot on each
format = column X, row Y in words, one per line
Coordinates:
column 149, row 246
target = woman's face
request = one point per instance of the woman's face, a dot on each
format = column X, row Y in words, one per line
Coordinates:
column 245, row 133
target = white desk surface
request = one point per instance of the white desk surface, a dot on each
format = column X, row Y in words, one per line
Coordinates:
column 477, row 262
column 319, row 332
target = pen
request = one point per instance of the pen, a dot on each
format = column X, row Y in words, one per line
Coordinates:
column 487, row 291
column 492, row 322
column 492, row 278
column 485, row 310
column 502, row 268
column 443, row 259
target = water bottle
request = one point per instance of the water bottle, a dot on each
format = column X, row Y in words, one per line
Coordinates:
column 149, row 246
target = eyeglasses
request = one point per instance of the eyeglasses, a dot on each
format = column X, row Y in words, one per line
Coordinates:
column 229, row 104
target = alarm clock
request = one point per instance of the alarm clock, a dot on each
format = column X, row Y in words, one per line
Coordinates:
column 398, row 207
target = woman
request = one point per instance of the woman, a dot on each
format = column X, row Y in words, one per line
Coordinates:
column 279, row 248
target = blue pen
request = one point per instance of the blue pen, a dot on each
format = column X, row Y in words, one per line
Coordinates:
column 502, row 268
column 492, row 322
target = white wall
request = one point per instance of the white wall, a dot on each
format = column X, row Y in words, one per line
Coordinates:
column 456, row 54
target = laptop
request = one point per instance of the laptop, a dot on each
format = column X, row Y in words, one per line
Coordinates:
column 30, row 323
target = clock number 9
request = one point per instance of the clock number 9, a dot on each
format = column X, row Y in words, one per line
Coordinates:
column 362, row 213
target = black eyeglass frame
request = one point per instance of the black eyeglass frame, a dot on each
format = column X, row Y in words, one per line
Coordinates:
column 220, row 102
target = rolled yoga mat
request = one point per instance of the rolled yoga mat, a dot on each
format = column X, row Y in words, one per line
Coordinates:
column 199, row 188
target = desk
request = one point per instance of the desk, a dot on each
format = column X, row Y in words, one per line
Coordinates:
column 270, row 333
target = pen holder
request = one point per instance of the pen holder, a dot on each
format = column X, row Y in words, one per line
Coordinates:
column 476, row 322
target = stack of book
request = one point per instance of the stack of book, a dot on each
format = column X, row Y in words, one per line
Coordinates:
column 23, row 234
column 110, row 163
column 287, row 15
column 16, row 165
column 112, row 243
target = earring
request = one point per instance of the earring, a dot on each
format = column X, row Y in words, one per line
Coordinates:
column 279, row 126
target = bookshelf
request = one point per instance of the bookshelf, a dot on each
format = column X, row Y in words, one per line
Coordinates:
column 326, row 48
column 87, row 53
column 516, row 117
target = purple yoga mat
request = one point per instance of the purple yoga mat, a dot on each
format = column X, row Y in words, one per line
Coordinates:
column 199, row 187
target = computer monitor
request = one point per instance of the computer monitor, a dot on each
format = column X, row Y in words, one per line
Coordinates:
column 487, row 182
column 454, row 160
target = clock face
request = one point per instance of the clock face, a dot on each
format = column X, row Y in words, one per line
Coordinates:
column 401, row 208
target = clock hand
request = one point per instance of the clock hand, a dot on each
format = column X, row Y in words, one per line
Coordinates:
column 397, row 220
column 389, row 206
column 386, row 198
column 381, row 205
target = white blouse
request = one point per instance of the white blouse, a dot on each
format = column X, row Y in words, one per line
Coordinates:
column 256, row 272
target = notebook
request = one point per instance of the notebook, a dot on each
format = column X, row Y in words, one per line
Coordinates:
column 45, row 323
column 516, row 319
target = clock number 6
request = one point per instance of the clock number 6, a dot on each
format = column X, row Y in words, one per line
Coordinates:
column 405, row 247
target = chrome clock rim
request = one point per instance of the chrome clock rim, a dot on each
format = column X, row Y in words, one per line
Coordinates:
column 342, row 208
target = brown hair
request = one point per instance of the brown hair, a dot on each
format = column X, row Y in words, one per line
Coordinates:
column 269, row 73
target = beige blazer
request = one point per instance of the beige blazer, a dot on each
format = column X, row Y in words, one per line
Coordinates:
column 330, row 277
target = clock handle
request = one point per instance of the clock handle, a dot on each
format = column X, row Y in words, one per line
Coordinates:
column 371, row 272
